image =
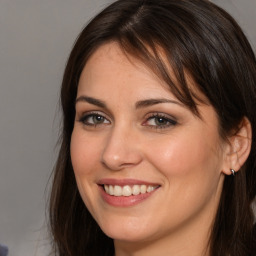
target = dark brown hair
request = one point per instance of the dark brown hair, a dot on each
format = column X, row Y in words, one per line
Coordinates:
column 192, row 36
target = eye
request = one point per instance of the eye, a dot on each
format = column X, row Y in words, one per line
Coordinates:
column 159, row 121
column 93, row 119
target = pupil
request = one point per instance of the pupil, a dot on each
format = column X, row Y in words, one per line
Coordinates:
column 98, row 119
column 161, row 120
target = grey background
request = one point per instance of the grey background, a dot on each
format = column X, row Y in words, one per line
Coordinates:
column 36, row 37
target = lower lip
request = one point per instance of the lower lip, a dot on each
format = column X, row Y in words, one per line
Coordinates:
column 124, row 201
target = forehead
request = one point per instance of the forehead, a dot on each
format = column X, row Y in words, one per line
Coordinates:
column 109, row 67
column 112, row 68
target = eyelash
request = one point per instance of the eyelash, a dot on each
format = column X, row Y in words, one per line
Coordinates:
column 169, row 121
column 84, row 119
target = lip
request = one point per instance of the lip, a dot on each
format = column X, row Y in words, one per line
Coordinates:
column 123, row 182
column 125, row 201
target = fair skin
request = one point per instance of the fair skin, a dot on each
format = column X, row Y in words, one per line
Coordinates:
column 131, row 130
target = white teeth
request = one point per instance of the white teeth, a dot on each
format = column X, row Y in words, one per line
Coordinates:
column 118, row 191
column 106, row 188
column 111, row 190
column 150, row 188
column 136, row 190
column 143, row 189
column 128, row 190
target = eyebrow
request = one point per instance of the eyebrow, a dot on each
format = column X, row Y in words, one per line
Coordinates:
column 92, row 101
column 139, row 104
column 151, row 102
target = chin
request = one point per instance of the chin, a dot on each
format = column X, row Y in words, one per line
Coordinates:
column 126, row 231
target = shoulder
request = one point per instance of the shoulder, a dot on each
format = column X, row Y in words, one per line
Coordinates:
column 3, row 250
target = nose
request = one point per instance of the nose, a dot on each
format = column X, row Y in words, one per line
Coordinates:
column 121, row 150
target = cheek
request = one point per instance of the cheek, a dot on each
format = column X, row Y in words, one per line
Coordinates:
column 190, row 174
column 84, row 154
column 186, row 156
column 84, row 157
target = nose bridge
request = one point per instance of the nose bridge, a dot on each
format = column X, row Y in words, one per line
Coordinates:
column 121, row 149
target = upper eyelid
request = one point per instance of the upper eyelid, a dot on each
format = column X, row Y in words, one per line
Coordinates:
column 82, row 103
column 92, row 112
column 84, row 116
column 142, row 105
column 160, row 114
column 169, row 118
column 111, row 119
column 80, row 113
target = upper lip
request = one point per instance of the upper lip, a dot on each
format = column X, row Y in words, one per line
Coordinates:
column 123, row 182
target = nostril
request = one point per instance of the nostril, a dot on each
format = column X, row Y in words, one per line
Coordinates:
column 120, row 151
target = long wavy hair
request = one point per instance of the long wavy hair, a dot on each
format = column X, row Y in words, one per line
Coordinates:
column 192, row 36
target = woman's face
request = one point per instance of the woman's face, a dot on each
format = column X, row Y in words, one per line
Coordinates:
column 160, row 164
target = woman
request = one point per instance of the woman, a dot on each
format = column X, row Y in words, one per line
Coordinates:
column 158, row 145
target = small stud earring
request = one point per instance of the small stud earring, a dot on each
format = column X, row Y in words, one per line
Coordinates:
column 233, row 172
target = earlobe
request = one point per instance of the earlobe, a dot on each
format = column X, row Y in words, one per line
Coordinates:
column 239, row 148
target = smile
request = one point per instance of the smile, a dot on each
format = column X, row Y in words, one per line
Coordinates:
column 128, row 190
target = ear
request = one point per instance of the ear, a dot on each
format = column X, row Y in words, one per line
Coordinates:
column 238, row 147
